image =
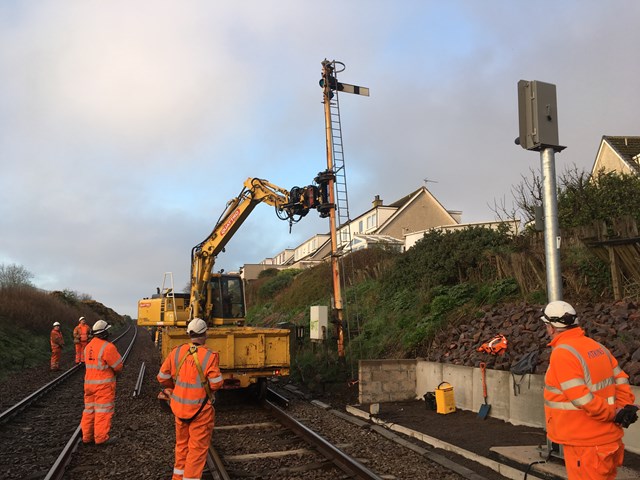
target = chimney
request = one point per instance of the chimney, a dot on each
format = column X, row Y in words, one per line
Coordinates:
column 377, row 202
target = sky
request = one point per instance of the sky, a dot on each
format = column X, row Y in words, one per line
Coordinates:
column 126, row 127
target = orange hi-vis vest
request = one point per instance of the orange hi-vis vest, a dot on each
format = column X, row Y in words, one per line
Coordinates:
column 81, row 332
column 583, row 388
column 56, row 339
column 102, row 362
column 496, row 346
column 179, row 371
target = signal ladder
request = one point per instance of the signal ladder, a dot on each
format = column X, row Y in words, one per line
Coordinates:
column 341, row 194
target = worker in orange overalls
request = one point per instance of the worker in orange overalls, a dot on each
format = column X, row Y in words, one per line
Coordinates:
column 191, row 374
column 57, row 342
column 587, row 398
column 81, row 338
column 103, row 363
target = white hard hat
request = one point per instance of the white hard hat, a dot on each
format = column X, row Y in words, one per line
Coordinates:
column 559, row 314
column 56, row 324
column 100, row 327
column 197, row 327
column 81, row 319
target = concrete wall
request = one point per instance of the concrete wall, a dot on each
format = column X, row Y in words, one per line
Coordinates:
column 386, row 380
column 378, row 384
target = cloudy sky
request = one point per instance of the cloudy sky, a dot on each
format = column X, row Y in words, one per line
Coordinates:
column 125, row 127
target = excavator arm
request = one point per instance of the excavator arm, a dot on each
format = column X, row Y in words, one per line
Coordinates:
column 289, row 205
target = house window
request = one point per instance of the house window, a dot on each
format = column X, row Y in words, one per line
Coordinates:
column 360, row 226
column 371, row 221
column 345, row 236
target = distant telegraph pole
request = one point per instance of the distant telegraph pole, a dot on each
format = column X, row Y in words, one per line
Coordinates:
column 538, row 119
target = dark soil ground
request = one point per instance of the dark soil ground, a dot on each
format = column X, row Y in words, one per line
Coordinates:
column 462, row 428
column 466, row 430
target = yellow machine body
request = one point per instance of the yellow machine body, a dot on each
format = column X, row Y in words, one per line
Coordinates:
column 445, row 402
column 246, row 353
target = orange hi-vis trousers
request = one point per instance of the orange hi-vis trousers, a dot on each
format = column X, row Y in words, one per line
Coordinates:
column 593, row 463
column 99, row 402
column 56, row 353
column 80, row 351
column 192, row 443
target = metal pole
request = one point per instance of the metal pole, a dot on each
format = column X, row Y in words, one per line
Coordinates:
column 551, row 230
column 327, row 70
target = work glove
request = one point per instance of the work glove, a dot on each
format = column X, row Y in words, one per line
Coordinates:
column 626, row 416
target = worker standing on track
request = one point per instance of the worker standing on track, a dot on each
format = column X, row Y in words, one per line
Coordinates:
column 57, row 342
column 587, row 398
column 81, row 338
column 103, row 362
column 192, row 371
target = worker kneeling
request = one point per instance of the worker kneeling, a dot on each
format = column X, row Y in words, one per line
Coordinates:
column 192, row 371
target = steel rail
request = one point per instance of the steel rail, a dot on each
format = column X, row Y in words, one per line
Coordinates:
column 25, row 402
column 138, row 387
column 216, row 467
column 277, row 398
column 345, row 463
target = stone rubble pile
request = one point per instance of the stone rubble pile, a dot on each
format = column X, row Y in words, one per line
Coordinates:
column 616, row 326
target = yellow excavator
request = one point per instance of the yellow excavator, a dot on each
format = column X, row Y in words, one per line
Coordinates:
column 248, row 355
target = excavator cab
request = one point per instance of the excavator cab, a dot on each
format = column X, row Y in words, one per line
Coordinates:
column 226, row 294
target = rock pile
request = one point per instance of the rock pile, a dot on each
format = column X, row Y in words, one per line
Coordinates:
column 616, row 326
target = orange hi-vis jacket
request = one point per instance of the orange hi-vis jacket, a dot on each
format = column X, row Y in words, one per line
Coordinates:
column 583, row 388
column 188, row 390
column 81, row 333
column 56, row 339
column 102, row 362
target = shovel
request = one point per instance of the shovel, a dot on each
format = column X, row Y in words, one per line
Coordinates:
column 485, row 407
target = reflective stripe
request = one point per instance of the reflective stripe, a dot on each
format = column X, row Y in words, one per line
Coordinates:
column 574, row 382
column 621, row 380
column 583, row 400
column 617, row 370
column 177, row 471
column 185, row 401
column 217, row 379
column 604, row 383
column 553, row 389
column 188, row 384
column 98, row 367
column 560, row 405
column 88, row 410
column 164, row 376
column 118, row 362
column 110, row 404
column 101, row 381
column 611, row 400
column 104, row 410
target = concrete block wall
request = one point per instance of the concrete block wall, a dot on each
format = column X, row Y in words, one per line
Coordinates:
column 384, row 381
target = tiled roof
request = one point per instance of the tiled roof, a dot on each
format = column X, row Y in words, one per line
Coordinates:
column 400, row 203
column 627, row 148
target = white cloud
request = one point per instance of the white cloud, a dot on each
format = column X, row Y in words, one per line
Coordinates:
column 125, row 127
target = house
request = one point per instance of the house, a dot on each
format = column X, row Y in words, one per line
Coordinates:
column 381, row 225
column 618, row 154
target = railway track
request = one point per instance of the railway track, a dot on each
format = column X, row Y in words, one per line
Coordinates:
column 249, row 440
column 35, row 430
column 264, row 441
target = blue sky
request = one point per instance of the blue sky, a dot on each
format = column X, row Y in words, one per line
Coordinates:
column 125, row 127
